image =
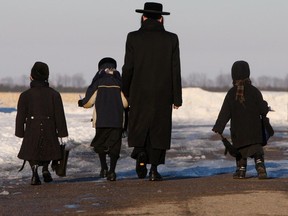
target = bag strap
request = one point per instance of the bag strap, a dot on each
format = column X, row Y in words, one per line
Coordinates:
column 24, row 162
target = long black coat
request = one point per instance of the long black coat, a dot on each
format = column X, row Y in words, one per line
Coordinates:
column 40, row 120
column 245, row 121
column 152, row 83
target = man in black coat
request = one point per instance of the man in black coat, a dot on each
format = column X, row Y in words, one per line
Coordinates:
column 244, row 107
column 40, row 120
column 152, row 83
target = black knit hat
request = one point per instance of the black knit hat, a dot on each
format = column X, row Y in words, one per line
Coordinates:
column 152, row 10
column 107, row 62
column 240, row 70
column 40, row 71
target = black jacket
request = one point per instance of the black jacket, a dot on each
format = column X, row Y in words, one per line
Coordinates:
column 245, row 120
column 40, row 120
column 152, row 83
column 105, row 93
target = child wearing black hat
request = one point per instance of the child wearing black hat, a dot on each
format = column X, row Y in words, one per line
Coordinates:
column 40, row 120
column 245, row 108
column 105, row 93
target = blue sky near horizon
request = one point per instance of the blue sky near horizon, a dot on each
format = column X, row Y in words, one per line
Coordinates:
column 72, row 35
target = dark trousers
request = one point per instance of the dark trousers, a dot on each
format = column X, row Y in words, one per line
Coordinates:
column 45, row 164
column 155, row 156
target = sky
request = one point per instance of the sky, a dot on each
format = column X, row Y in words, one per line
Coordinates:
column 71, row 36
column 193, row 153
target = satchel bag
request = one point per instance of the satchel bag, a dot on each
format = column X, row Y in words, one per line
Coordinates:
column 267, row 130
column 60, row 166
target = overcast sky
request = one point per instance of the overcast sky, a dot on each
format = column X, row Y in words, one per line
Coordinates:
column 71, row 36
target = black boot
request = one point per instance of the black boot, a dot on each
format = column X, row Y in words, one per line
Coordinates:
column 236, row 173
column 141, row 163
column 241, row 165
column 35, row 177
column 104, row 167
column 111, row 176
column 154, row 175
column 103, row 173
column 46, row 174
column 260, row 167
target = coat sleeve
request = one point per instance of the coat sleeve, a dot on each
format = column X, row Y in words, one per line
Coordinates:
column 91, row 92
column 60, row 119
column 128, row 67
column 21, row 117
column 176, row 73
column 223, row 117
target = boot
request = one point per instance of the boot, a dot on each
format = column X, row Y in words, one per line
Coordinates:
column 154, row 175
column 141, row 163
column 236, row 173
column 260, row 167
column 104, row 167
column 35, row 177
column 111, row 176
column 103, row 173
column 240, row 172
column 46, row 174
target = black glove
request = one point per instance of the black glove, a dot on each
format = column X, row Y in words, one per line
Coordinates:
column 230, row 148
column 80, row 103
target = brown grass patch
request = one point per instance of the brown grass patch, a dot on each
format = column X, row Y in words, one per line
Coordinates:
column 10, row 99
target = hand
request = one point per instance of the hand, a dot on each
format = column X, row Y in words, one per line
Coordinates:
column 175, row 107
column 215, row 131
column 80, row 103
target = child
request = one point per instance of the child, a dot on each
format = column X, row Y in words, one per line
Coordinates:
column 40, row 120
column 105, row 93
column 244, row 106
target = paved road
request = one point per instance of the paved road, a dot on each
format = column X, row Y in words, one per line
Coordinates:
column 217, row 195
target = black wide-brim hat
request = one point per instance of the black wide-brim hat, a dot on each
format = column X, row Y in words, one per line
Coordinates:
column 152, row 8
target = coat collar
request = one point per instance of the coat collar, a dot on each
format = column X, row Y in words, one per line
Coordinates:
column 36, row 83
column 152, row 25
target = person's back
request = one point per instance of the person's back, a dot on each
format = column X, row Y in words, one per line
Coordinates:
column 244, row 107
column 108, row 103
column 246, row 118
column 152, row 83
column 105, row 93
column 153, row 50
column 40, row 121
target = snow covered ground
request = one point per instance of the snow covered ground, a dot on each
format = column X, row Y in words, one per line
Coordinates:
column 193, row 152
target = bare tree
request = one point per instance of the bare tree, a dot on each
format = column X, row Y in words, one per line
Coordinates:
column 224, row 80
column 78, row 81
column 7, row 81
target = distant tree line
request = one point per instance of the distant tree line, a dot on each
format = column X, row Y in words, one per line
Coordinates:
column 76, row 83
column 62, row 83
column 223, row 82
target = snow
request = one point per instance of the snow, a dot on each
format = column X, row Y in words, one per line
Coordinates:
column 192, row 153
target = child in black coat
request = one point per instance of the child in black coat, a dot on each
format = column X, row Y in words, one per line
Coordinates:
column 105, row 93
column 245, row 108
column 40, row 121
